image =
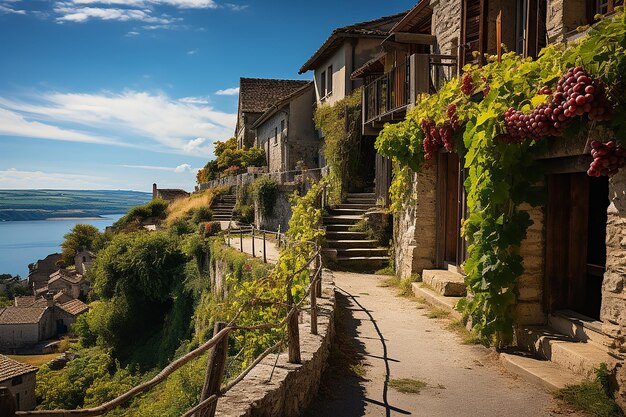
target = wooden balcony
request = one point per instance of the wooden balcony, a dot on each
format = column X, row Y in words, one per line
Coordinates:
column 387, row 98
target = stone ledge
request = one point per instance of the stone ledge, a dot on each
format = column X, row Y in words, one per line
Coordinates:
column 292, row 386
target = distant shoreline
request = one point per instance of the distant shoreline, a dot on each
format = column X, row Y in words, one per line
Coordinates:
column 76, row 218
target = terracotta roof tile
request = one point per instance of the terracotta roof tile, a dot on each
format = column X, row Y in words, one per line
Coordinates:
column 74, row 307
column 21, row 315
column 10, row 368
column 256, row 95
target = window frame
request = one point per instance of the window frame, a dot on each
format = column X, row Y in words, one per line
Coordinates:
column 329, row 80
column 323, row 84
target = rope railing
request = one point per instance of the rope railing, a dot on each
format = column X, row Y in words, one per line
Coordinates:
column 218, row 345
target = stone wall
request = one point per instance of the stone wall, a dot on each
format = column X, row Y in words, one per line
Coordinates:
column 446, row 25
column 415, row 227
column 564, row 16
column 292, row 387
column 280, row 214
column 529, row 286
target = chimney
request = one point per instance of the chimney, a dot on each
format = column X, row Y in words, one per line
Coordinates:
column 49, row 296
column 154, row 191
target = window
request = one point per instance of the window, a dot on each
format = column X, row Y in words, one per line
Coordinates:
column 275, row 135
column 520, row 25
column 530, row 27
column 329, row 82
column 601, row 7
column 323, row 84
column 282, row 129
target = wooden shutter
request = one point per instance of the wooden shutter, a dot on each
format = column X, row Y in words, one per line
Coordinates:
column 474, row 29
column 536, row 32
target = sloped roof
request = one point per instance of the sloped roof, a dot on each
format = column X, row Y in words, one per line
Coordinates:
column 72, row 277
column 25, row 301
column 256, row 95
column 21, row 315
column 61, row 297
column 10, row 368
column 281, row 102
column 373, row 66
column 416, row 16
column 74, row 307
column 170, row 194
column 377, row 28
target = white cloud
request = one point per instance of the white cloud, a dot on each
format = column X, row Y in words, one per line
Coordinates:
column 15, row 124
column 132, row 33
column 182, row 4
column 68, row 12
column 194, row 100
column 183, row 168
column 9, row 10
column 13, row 178
column 192, row 52
column 228, row 92
column 236, row 7
column 131, row 118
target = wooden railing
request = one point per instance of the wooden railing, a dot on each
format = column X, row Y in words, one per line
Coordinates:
column 218, row 344
column 398, row 88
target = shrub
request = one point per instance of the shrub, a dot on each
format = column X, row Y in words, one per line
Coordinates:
column 244, row 213
column 265, row 194
column 202, row 214
column 209, row 229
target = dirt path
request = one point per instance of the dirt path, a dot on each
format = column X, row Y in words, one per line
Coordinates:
column 382, row 338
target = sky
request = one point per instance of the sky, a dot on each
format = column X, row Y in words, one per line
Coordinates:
column 118, row 94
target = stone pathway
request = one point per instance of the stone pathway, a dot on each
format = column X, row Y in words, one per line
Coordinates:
column 270, row 245
column 382, row 337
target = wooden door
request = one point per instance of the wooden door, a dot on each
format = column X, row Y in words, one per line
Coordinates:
column 449, row 197
column 575, row 243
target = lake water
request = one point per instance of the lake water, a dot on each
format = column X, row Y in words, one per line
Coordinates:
column 22, row 243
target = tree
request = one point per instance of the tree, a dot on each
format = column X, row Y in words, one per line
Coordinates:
column 81, row 236
column 228, row 157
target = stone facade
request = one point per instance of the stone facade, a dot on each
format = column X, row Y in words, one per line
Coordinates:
column 279, row 219
column 415, row 227
column 564, row 16
column 41, row 270
column 292, row 387
column 446, row 25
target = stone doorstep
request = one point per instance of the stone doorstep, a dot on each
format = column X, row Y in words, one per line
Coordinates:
column 446, row 282
column 539, row 372
column 437, row 300
column 577, row 357
column 579, row 327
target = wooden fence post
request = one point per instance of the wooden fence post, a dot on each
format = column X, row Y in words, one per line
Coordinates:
column 253, row 253
column 318, row 284
column 313, row 292
column 293, row 331
column 264, row 249
column 7, row 403
column 214, row 371
column 240, row 240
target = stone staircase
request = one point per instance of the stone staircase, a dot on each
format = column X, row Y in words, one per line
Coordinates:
column 223, row 207
column 352, row 249
column 442, row 288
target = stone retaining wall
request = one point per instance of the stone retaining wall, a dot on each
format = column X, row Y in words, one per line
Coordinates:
column 292, row 387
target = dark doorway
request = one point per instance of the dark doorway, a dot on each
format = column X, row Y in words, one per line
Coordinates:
column 362, row 167
column 576, row 242
column 450, row 197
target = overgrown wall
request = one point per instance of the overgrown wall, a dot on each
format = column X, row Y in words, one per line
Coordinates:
column 281, row 212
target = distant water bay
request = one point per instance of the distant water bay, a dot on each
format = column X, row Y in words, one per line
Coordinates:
column 25, row 242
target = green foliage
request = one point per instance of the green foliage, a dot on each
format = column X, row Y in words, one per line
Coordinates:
column 155, row 210
column 202, row 214
column 209, row 229
column 81, row 236
column 502, row 176
column 91, row 379
column 227, row 156
column 265, row 193
column 341, row 127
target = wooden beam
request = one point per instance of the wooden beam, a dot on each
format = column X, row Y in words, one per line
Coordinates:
column 414, row 38
column 499, row 36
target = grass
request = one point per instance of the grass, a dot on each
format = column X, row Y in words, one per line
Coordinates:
column 438, row 313
column 182, row 206
column 408, row 385
column 404, row 285
column 359, row 370
column 386, row 271
column 467, row 337
column 35, row 360
column 590, row 398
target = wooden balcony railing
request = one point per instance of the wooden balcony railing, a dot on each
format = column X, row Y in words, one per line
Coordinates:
column 398, row 88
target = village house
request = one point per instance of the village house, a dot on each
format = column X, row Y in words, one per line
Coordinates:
column 69, row 282
column 570, row 307
column 287, row 133
column 84, row 261
column 256, row 96
column 20, row 379
column 39, row 272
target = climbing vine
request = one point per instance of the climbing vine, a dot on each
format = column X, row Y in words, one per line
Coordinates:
column 340, row 124
column 265, row 194
column 491, row 117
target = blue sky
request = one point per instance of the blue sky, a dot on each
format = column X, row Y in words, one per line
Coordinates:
column 118, row 94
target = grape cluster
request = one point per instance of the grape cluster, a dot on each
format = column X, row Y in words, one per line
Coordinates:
column 608, row 158
column 576, row 94
column 487, row 88
column 467, row 84
column 436, row 137
column 453, row 116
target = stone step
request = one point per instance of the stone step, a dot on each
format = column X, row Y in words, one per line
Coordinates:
column 355, row 206
column 578, row 357
column 220, row 218
column 579, row 327
column 445, row 282
column 436, row 299
column 342, row 211
column 539, row 372
column 359, row 200
column 368, row 195
column 343, row 219
column 362, row 262
column 351, row 243
column 361, row 252
column 339, row 227
column 345, row 235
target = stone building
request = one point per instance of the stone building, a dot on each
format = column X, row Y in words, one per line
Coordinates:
column 287, row 133
column 20, row 379
column 168, row 194
column 346, row 49
column 570, row 307
column 69, row 282
column 256, row 96
column 84, row 261
column 40, row 271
